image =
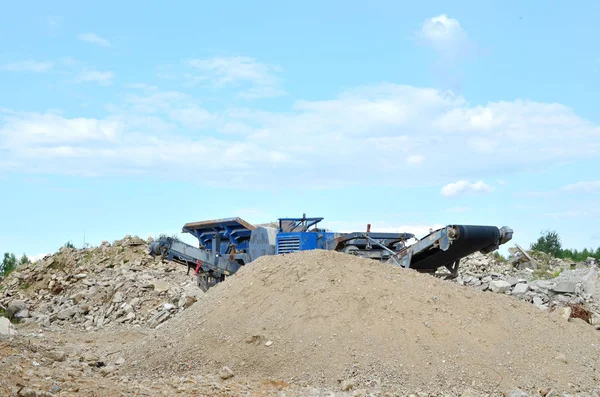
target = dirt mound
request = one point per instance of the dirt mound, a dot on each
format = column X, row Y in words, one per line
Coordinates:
column 113, row 284
column 330, row 319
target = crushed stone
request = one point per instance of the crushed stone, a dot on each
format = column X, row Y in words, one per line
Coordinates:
column 336, row 320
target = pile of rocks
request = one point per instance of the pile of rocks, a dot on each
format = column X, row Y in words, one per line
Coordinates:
column 113, row 284
column 552, row 284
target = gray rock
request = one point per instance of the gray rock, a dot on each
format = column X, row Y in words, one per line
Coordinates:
column 544, row 284
column 6, row 328
column 226, row 373
column 499, row 286
column 21, row 314
column 538, row 301
column 160, row 286
column 159, row 318
column 520, row 289
column 117, row 298
column 66, row 313
column 15, row 307
column 565, row 287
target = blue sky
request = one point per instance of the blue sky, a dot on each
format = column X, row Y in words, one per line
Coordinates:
column 126, row 118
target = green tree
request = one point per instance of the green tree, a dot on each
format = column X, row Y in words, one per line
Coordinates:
column 24, row 260
column 9, row 263
column 549, row 242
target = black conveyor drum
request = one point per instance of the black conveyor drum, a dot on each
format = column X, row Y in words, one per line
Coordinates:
column 470, row 239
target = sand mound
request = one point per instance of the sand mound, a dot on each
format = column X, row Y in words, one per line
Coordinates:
column 330, row 319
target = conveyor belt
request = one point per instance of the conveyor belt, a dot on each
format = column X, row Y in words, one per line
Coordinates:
column 428, row 254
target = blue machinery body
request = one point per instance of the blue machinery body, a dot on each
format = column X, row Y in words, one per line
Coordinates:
column 224, row 245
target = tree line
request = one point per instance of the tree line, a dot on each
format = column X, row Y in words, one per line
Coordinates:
column 550, row 243
column 10, row 263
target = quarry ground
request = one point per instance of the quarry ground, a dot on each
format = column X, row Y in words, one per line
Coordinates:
column 112, row 321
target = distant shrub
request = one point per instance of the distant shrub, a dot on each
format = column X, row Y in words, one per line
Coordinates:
column 549, row 242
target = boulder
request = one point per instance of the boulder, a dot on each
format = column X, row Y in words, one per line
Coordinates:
column 499, row 286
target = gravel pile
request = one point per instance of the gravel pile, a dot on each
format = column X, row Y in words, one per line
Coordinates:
column 327, row 319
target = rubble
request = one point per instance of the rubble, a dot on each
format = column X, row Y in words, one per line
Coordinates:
column 112, row 321
column 550, row 284
column 116, row 284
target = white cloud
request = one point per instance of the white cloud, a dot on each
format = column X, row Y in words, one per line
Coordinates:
column 261, row 92
column 30, row 130
column 458, row 209
column 101, row 78
column 35, row 258
column 94, row 39
column 238, row 71
column 194, row 117
column 419, row 230
column 583, row 186
column 445, row 35
column 28, row 66
column 415, row 159
column 142, row 86
column 384, row 128
column 234, row 69
column 464, row 187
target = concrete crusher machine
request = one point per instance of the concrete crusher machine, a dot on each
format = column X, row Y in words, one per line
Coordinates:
column 225, row 245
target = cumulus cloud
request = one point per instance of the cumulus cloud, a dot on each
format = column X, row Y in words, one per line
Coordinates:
column 445, row 35
column 28, row 66
column 93, row 38
column 452, row 46
column 371, row 135
column 464, row 187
